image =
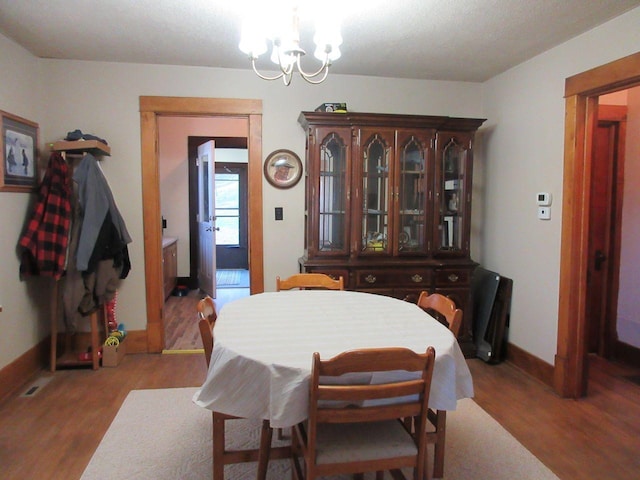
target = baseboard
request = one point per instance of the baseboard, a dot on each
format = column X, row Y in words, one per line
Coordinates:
column 137, row 341
column 530, row 364
column 19, row 372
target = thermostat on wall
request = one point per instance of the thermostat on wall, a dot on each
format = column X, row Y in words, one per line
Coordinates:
column 543, row 199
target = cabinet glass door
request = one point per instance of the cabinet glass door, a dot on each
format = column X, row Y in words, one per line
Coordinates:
column 332, row 228
column 414, row 194
column 452, row 196
column 375, row 163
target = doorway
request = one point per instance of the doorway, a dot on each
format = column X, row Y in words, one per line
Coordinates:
column 202, row 214
column 581, row 106
column 150, row 109
column 605, row 225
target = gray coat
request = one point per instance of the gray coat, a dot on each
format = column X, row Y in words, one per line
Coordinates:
column 95, row 199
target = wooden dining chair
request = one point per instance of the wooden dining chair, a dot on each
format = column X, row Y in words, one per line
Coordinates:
column 222, row 456
column 309, row 280
column 446, row 309
column 207, row 314
column 443, row 307
column 346, row 434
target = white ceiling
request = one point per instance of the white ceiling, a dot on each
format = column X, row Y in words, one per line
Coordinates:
column 464, row 40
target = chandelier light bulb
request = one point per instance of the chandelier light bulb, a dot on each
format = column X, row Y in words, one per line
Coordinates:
column 252, row 39
column 286, row 50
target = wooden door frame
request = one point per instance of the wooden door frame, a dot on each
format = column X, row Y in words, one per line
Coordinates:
column 581, row 98
column 150, row 109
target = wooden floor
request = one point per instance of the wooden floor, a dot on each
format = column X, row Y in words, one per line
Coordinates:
column 180, row 318
column 53, row 434
column 596, row 437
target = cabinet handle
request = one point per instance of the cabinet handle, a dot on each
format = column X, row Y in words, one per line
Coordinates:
column 416, row 278
column 370, row 278
column 453, row 277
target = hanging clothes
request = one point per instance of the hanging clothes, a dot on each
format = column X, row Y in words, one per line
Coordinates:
column 103, row 233
column 98, row 252
column 44, row 243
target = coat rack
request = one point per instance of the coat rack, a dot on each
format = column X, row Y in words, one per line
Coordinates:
column 70, row 358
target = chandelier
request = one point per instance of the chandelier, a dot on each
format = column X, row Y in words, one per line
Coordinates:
column 283, row 33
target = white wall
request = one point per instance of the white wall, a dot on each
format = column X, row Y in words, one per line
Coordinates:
column 524, row 155
column 24, row 316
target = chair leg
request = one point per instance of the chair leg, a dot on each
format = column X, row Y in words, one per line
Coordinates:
column 438, row 461
column 266, row 433
column 296, row 451
column 218, row 447
column 408, row 424
column 396, row 474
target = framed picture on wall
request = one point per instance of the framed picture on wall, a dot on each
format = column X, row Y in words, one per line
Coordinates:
column 283, row 168
column 19, row 146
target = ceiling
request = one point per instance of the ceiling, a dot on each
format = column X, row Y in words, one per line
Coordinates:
column 460, row 40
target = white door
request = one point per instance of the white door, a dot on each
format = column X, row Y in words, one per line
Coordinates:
column 206, row 219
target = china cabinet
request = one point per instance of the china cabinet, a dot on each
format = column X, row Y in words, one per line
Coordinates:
column 388, row 204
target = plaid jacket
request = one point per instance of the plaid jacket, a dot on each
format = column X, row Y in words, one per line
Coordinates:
column 45, row 241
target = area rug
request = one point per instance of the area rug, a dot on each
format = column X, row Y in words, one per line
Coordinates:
column 160, row 434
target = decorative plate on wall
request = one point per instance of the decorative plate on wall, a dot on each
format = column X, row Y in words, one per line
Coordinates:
column 283, row 168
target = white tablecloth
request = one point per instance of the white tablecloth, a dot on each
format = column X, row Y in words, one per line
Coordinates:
column 261, row 361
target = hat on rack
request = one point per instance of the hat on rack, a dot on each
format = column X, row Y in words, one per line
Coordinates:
column 78, row 135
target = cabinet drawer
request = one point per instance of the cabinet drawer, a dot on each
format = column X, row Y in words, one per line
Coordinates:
column 418, row 278
column 452, row 277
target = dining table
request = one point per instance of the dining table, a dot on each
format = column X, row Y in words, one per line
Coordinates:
column 263, row 344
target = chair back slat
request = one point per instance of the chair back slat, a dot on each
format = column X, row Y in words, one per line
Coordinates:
column 308, row 281
column 443, row 306
column 367, row 414
column 358, row 393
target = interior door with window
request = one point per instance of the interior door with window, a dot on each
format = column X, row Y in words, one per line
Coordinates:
column 206, row 219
